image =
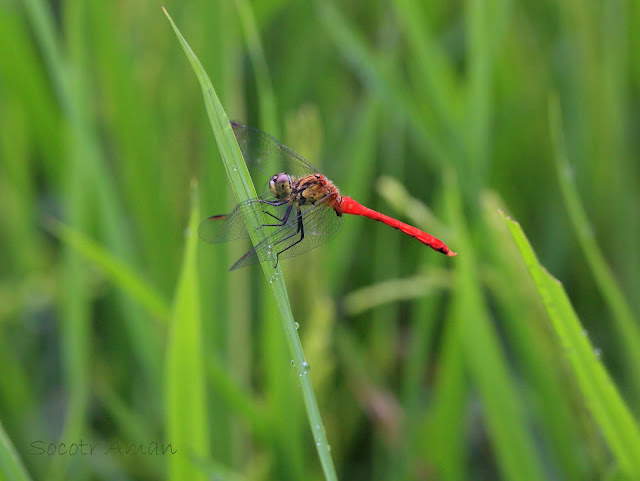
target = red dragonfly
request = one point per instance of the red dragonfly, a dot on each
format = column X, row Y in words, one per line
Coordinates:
column 305, row 206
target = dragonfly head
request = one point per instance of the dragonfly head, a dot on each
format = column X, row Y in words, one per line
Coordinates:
column 281, row 185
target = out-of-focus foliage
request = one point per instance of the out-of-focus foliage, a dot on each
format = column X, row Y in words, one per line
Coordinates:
column 425, row 367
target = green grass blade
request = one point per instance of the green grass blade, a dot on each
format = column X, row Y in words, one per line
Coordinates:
column 116, row 271
column 75, row 327
column 381, row 80
column 484, row 21
column 243, row 188
column 395, row 290
column 533, row 346
column 486, row 360
column 186, row 416
column 436, row 71
column 40, row 17
column 11, row 467
column 624, row 321
column 237, row 172
column 266, row 97
column 441, row 435
column 617, row 423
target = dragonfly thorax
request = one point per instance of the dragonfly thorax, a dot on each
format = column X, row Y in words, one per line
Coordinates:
column 281, row 185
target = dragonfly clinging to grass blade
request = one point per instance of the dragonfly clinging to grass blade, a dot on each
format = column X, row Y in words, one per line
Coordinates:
column 303, row 207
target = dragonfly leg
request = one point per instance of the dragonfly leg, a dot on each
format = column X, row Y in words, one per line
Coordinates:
column 274, row 203
column 274, row 216
column 283, row 221
column 300, row 231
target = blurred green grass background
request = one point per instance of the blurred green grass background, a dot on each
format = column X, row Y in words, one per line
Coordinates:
column 117, row 328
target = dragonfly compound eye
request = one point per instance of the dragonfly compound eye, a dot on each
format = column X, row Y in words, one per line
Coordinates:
column 280, row 185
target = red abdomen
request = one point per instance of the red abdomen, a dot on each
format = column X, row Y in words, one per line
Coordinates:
column 350, row 206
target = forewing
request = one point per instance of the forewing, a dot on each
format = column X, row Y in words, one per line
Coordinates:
column 320, row 224
column 267, row 156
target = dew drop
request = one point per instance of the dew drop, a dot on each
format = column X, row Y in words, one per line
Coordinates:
column 305, row 367
column 597, row 351
column 297, row 325
column 293, row 363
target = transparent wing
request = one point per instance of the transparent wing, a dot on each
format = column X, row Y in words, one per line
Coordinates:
column 228, row 227
column 267, row 156
column 314, row 226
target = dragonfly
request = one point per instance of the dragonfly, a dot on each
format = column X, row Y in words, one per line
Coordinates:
column 302, row 208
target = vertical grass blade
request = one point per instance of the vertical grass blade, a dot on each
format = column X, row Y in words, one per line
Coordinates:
column 485, row 21
column 533, row 346
column 441, row 437
column 434, row 67
column 266, row 97
column 486, row 361
column 74, row 309
column 383, row 82
column 243, row 189
column 625, row 324
column 185, row 383
column 618, row 425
